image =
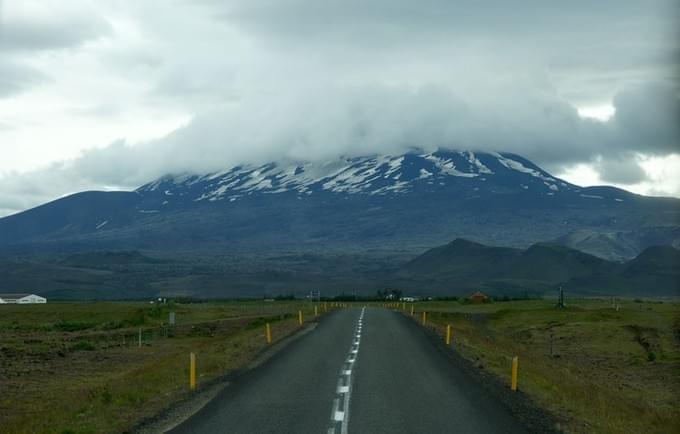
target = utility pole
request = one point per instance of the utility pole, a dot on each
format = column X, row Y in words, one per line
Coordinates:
column 560, row 299
column 551, row 343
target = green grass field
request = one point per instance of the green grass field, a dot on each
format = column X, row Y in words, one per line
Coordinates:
column 609, row 372
column 77, row 367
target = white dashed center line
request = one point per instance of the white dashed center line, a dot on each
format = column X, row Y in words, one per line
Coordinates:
column 340, row 412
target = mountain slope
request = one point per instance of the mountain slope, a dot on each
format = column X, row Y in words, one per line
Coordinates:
column 656, row 268
column 382, row 203
column 72, row 216
column 463, row 257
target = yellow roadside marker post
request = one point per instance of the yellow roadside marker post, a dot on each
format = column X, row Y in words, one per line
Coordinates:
column 424, row 318
column 300, row 317
column 448, row 334
column 192, row 371
column 403, row 305
column 413, row 308
column 268, row 333
column 513, row 384
column 316, row 310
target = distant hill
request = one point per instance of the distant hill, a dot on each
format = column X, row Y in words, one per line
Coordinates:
column 457, row 268
column 656, row 269
column 462, row 257
column 620, row 245
column 464, row 266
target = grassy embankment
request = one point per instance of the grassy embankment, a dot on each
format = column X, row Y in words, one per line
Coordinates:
column 77, row 367
column 610, row 371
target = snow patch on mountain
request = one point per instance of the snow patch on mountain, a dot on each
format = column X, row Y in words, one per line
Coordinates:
column 481, row 168
column 370, row 175
column 447, row 166
column 516, row 165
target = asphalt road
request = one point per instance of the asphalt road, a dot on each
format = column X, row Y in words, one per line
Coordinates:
column 358, row 372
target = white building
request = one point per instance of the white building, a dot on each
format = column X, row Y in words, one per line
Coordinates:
column 21, row 299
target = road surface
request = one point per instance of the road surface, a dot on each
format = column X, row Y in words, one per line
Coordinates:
column 369, row 371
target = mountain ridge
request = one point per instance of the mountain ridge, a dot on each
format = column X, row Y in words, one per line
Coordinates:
column 464, row 266
column 457, row 268
column 404, row 202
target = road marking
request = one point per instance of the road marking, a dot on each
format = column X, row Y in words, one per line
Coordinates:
column 340, row 416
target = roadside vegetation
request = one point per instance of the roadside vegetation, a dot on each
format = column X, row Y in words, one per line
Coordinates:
column 599, row 368
column 78, row 367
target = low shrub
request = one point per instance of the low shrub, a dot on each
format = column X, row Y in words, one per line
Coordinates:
column 72, row 326
column 81, row 346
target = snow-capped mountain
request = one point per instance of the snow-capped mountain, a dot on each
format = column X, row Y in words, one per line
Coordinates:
column 386, row 202
column 377, row 176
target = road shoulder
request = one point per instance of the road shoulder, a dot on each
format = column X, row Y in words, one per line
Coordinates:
column 190, row 403
column 530, row 414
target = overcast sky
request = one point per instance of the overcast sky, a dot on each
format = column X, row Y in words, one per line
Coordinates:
column 110, row 94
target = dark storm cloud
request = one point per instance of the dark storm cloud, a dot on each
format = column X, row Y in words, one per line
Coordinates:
column 590, row 50
column 49, row 31
column 621, row 170
column 298, row 19
column 605, row 34
column 648, row 119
